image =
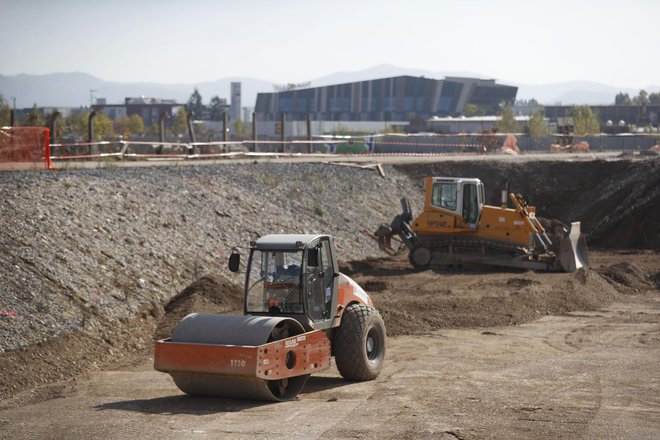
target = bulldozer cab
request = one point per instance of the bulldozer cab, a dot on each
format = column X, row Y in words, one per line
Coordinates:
column 464, row 197
column 293, row 275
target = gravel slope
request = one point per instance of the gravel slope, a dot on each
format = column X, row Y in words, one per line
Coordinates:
column 81, row 248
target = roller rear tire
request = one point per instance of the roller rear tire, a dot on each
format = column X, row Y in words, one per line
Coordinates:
column 359, row 343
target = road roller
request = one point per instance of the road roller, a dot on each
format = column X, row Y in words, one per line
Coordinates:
column 299, row 312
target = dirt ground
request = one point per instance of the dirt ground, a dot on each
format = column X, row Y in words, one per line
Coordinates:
column 472, row 353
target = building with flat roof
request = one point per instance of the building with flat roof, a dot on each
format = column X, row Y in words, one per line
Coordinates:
column 472, row 124
column 396, row 99
column 626, row 115
column 149, row 109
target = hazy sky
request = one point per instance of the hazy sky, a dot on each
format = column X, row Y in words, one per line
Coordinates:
column 524, row 42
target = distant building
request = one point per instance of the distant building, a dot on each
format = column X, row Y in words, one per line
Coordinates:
column 474, row 124
column 235, row 109
column 630, row 115
column 247, row 114
column 396, row 99
column 149, row 109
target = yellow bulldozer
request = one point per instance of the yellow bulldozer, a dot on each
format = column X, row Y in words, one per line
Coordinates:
column 457, row 227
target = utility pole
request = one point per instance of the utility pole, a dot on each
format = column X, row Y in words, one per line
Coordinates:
column 282, row 122
column 309, row 132
column 254, row 131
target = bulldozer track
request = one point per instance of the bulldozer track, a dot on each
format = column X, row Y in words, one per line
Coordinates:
column 480, row 251
column 471, row 243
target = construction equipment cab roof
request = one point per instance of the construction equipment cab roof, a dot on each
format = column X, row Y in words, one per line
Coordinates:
column 286, row 241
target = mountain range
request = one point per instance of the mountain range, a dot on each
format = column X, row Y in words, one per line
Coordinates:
column 78, row 89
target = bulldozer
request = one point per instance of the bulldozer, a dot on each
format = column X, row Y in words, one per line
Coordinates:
column 457, row 227
column 299, row 311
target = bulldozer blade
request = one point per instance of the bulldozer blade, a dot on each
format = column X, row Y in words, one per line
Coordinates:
column 573, row 253
column 384, row 237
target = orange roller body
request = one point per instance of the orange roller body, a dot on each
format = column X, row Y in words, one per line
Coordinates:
column 299, row 312
column 302, row 354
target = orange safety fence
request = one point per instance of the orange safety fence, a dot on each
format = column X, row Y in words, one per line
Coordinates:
column 24, row 148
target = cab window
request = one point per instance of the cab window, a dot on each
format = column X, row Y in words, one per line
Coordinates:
column 274, row 282
column 444, row 195
column 319, row 284
column 470, row 203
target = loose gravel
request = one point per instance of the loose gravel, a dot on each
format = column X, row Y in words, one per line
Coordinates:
column 84, row 250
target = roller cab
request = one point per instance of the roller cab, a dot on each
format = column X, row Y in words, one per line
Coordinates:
column 297, row 308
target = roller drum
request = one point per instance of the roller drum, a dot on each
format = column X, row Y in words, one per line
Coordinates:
column 240, row 331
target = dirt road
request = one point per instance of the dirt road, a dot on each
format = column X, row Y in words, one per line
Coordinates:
column 583, row 375
column 569, row 374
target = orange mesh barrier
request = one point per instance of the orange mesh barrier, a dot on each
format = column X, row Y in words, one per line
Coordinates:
column 24, row 148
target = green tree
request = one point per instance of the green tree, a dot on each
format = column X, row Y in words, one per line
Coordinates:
column 507, row 122
column 136, row 124
column 585, row 121
column 393, row 129
column 195, row 105
column 642, row 98
column 470, row 110
column 128, row 126
column 180, row 125
column 5, row 112
column 622, row 99
column 536, row 127
column 153, row 130
column 241, row 128
column 122, row 127
column 35, row 118
column 78, row 124
column 654, row 98
column 103, row 126
column 217, row 107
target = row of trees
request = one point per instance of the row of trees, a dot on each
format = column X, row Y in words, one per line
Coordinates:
column 75, row 126
column 642, row 98
column 215, row 111
column 585, row 121
column 212, row 112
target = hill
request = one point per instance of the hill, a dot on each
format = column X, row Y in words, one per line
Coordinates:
column 74, row 89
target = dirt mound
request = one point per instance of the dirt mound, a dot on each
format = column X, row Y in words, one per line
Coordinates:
column 209, row 294
column 628, row 277
column 419, row 302
column 39, row 367
column 38, row 372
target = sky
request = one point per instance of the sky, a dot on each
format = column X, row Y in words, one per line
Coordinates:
column 292, row 41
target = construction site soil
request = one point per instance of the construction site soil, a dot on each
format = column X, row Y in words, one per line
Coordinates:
column 97, row 264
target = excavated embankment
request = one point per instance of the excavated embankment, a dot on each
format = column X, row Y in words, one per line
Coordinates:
column 95, row 263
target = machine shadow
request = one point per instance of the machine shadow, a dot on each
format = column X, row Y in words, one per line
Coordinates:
column 196, row 405
column 373, row 267
column 318, row 383
column 370, row 268
column 182, row 404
